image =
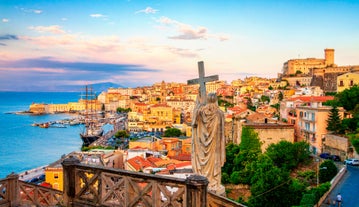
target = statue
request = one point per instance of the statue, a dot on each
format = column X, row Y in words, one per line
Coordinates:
column 208, row 142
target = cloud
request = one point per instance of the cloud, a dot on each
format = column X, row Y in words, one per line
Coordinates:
column 97, row 15
column 54, row 29
column 188, row 32
column 46, row 62
column 35, row 11
column 2, row 44
column 46, row 72
column 8, row 37
column 5, row 20
column 148, row 10
column 63, row 19
column 183, row 52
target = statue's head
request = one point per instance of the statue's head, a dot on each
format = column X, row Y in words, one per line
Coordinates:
column 211, row 98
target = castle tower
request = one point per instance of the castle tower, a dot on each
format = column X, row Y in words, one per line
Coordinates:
column 329, row 56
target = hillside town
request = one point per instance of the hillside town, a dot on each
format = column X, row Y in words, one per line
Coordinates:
column 291, row 107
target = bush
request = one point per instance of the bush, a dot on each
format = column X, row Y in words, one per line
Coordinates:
column 225, row 178
column 329, row 172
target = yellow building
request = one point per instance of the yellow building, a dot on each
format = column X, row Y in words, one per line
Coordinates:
column 163, row 113
column 346, row 81
column 39, row 108
column 54, row 175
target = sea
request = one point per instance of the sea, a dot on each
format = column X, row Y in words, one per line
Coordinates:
column 23, row 146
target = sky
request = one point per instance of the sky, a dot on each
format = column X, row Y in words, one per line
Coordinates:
column 48, row 43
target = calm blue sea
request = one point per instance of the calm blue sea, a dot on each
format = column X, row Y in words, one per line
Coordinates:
column 22, row 146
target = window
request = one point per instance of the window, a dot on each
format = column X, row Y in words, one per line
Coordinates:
column 341, row 83
column 56, row 175
column 313, row 116
column 351, row 82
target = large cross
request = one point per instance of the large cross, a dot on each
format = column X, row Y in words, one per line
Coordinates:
column 202, row 82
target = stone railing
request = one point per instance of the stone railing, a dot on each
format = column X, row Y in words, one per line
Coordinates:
column 14, row 192
column 99, row 186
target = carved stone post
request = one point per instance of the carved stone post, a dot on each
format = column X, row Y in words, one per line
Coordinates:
column 13, row 189
column 69, row 166
column 197, row 190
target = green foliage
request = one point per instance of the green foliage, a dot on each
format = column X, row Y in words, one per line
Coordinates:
column 276, row 106
column 122, row 134
column 288, row 155
column 349, row 98
column 250, row 105
column 172, row 132
column 250, row 140
column 270, row 88
column 327, row 171
column 350, row 124
column 334, row 121
column 265, row 99
column 308, row 199
column 331, row 103
column 123, row 110
column 85, row 149
column 282, row 155
column 330, row 93
column 222, row 102
column 307, row 177
column 298, row 72
column 354, row 139
column 232, row 151
column 225, row 178
column 280, row 96
column 296, row 188
column 268, row 184
column 312, row 196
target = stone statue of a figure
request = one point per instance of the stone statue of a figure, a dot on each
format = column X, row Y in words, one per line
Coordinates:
column 208, row 142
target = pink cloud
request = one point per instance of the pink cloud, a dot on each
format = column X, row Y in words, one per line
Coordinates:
column 54, row 29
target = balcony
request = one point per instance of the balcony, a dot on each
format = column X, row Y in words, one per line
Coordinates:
column 99, row 186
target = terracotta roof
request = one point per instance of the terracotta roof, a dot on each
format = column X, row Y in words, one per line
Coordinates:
column 153, row 160
column 139, row 162
column 312, row 98
column 182, row 157
column 179, row 165
column 140, row 104
column 161, row 105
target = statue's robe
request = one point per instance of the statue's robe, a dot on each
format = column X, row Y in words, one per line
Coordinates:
column 208, row 143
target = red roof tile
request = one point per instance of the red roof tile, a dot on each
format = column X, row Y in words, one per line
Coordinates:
column 312, row 98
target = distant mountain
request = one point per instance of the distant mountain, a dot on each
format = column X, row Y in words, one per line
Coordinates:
column 97, row 87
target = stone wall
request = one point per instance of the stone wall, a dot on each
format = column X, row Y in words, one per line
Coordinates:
column 336, row 145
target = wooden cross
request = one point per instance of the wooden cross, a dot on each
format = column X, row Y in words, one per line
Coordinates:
column 202, row 82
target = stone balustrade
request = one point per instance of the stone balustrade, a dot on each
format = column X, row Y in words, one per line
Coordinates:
column 99, row 186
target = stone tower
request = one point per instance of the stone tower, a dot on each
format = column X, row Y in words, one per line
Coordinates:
column 329, row 57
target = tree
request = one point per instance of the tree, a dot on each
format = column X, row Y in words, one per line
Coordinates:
column 122, row 134
column 123, row 110
column 250, row 105
column 232, row 151
column 172, row 132
column 349, row 98
column 334, row 122
column 268, row 184
column 327, row 171
column 265, row 99
column 270, row 88
column 249, row 150
column 282, row 155
column 280, row 96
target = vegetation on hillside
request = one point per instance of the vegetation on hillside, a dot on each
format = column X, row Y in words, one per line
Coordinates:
column 268, row 174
